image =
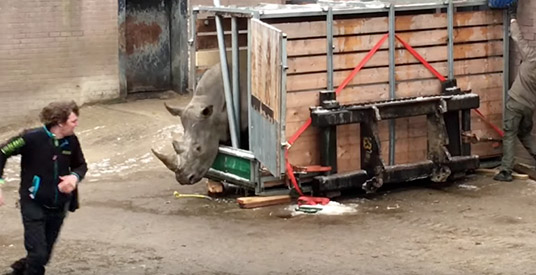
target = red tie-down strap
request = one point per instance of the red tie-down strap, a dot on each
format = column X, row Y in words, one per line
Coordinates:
column 442, row 78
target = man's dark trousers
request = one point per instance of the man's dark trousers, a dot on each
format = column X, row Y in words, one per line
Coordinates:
column 41, row 228
column 517, row 123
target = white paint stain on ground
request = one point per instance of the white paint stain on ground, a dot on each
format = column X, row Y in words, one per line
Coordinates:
column 468, row 187
column 332, row 208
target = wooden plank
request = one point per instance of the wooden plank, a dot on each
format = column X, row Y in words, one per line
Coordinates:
column 205, row 59
column 205, row 42
column 380, row 24
column 381, row 58
column 317, row 81
column 208, row 25
column 434, row 37
column 525, row 169
column 254, row 202
column 492, row 172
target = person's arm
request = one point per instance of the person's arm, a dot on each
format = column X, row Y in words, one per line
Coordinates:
column 78, row 168
column 527, row 52
column 13, row 146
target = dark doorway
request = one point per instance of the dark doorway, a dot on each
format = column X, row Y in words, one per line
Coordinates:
column 148, row 58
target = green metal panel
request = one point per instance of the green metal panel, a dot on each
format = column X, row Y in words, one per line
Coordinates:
column 233, row 165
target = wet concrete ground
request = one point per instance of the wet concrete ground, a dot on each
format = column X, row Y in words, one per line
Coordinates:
column 130, row 223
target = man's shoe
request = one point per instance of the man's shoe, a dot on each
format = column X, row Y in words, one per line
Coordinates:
column 19, row 266
column 503, row 176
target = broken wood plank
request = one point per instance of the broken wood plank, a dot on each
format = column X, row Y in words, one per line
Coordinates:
column 525, row 169
column 254, row 202
column 214, row 187
column 492, row 172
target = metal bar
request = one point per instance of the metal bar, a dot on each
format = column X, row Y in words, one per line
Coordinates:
column 236, row 75
column 393, row 174
column 328, row 138
column 466, row 127
column 506, row 59
column 226, row 83
column 226, row 10
column 234, row 179
column 192, row 43
column 250, row 124
column 226, row 150
column 390, row 110
column 392, row 82
column 450, row 27
column 271, row 14
column 283, row 95
column 329, row 38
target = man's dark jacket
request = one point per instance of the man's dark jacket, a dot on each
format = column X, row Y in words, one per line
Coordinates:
column 43, row 160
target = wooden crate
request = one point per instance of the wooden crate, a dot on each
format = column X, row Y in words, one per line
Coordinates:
column 478, row 65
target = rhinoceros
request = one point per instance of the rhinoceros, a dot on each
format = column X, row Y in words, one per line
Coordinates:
column 205, row 124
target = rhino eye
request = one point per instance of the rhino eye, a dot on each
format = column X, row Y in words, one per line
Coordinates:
column 197, row 148
column 207, row 111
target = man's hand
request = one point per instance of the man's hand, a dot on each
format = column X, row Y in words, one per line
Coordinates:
column 512, row 9
column 67, row 184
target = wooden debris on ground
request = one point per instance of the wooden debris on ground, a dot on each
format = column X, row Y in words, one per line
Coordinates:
column 525, row 169
column 214, row 187
column 253, row 202
column 492, row 172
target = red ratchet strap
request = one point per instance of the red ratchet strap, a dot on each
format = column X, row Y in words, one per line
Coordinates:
column 290, row 171
column 442, row 78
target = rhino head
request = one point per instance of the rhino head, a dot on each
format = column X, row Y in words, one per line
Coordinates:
column 205, row 124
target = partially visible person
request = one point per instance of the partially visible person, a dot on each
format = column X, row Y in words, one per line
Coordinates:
column 520, row 106
column 52, row 165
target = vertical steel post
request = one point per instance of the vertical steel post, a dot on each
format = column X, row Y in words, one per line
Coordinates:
column 192, row 42
column 392, row 82
column 506, row 59
column 328, row 136
column 283, row 108
column 226, row 82
column 450, row 27
column 329, row 48
column 236, row 74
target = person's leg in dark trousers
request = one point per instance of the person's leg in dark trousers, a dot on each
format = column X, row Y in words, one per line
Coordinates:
column 525, row 129
column 37, row 240
column 512, row 119
column 53, row 226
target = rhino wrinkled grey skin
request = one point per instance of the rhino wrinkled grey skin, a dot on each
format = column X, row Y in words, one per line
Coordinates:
column 205, row 124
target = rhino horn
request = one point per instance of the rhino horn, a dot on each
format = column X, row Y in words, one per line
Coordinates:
column 179, row 147
column 171, row 161
column 176, row 111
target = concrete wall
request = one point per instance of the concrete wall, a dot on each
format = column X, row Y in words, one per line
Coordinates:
column 54, row 50
column 526, row 14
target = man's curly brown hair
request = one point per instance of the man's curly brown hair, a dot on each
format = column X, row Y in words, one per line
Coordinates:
column 58, row 112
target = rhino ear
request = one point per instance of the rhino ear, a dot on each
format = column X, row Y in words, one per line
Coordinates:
column 176, row 111
column 207, row 111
